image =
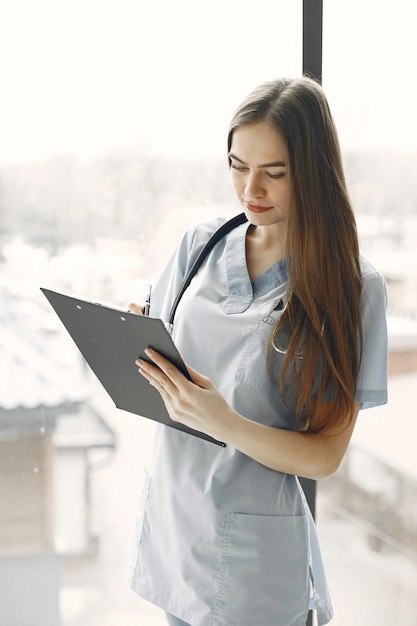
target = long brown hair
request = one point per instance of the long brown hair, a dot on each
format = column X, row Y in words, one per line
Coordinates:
column 322, row 318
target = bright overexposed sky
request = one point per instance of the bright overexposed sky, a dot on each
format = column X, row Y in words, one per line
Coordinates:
column 89, row 76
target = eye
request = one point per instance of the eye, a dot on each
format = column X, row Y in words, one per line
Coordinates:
column 275, row 176
column 238, row 168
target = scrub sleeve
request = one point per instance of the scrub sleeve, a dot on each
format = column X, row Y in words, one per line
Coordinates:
column 220, row 539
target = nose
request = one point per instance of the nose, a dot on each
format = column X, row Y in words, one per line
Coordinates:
column 254, row 187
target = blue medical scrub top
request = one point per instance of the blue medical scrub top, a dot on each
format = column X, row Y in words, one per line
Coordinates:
column 220, row 539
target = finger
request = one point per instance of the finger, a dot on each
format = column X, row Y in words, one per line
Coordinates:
column 156, row 377
column 168, row 368
column 137, row 309
column 199, row 379
column 175, row 375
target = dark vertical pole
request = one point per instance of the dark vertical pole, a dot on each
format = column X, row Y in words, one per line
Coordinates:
column 313, row 38
column 312, row 67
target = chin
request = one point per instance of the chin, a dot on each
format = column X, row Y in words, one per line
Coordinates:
column 262, row 219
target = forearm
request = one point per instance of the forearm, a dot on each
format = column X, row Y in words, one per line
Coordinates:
column 308, row 455
column 197, row 404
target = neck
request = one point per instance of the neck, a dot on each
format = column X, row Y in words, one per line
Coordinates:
column 264, row 247
column 268, row 238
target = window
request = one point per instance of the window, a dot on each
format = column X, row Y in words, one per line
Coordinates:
column 113, row 121
column 368, row 56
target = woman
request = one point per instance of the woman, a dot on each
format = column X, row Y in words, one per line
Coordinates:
column 284, row 331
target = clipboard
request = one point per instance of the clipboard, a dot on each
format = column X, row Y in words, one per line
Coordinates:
column 110, row 341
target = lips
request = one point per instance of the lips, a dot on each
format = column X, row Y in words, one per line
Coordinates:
column 256, row 208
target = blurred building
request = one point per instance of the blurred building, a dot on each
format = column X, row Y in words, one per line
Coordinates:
column 376, row 486
column 48, row 436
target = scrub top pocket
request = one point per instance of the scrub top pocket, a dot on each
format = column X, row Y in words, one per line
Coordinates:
column 253, row 544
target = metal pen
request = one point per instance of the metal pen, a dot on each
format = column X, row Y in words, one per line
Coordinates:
column 148, row 301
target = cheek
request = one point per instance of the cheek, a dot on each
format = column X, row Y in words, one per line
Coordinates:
column 237, row 183
column 282, row 197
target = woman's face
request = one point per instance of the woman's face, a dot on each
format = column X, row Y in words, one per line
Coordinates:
column 260, row 176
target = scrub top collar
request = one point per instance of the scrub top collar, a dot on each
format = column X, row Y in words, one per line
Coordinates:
column 242, row 291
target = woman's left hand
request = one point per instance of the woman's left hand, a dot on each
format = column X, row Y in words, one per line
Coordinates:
column 196, row 403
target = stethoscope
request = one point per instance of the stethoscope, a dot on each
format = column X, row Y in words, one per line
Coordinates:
column 221, row 232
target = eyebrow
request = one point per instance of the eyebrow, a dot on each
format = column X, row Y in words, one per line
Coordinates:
column 272, row 164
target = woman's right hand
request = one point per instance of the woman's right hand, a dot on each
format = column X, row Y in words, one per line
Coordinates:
column 137, row 309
